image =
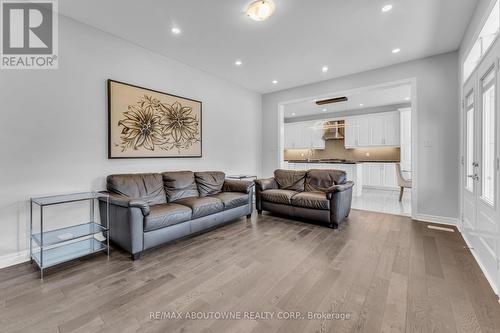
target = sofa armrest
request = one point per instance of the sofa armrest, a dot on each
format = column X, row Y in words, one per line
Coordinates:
column 237, row 186
column 266, row 184
column 338, row 188
column 126, row 202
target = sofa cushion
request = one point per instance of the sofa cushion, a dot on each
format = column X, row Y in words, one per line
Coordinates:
column 165, row 215
column 202, row 206
column 313, row 200
column 232, row 199
column 320, row 180
column 147, row 187
column 179, row 185
column 209, row 182
column 292, row 180
column 278, row 196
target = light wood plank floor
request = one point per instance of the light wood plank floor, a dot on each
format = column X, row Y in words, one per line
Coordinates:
column 388, row 273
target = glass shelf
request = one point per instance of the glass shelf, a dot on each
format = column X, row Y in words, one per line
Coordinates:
column 69, row 233
column 60, row 254
column 65, row 198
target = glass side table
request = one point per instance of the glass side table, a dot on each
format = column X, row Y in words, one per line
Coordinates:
column 56, row 246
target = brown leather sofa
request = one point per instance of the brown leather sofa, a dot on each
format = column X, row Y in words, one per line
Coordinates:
column 150, row 209
column 318, row 195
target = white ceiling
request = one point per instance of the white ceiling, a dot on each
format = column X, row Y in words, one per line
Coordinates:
column 349, row 36
column 369, row 98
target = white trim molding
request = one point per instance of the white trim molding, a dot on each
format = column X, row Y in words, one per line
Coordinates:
column 436, row 219
column 491, row 281
column 14, row 259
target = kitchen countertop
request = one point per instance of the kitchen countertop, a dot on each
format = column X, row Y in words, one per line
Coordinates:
column 339, row 161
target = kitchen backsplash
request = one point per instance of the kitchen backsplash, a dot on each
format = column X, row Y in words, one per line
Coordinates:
column 334, row 149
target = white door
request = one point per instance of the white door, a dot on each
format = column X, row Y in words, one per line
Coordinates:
column 481, row 162
column 469, row 173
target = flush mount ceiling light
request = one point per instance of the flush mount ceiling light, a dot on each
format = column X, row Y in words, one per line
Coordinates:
column 275, row 81
column 176, row 30
column 260, row 10
column 238, row 62
column 386, row 8
column 396, row 50
column 324, row 69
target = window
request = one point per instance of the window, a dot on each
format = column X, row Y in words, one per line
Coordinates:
column 469, row 139
column 486, row 37
column 488, row 137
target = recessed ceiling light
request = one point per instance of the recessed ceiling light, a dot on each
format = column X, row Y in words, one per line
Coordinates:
column 176, row 30
column 361, row 104
column 407, row 98
column 324, row 69
column 396, row 50
column 323, row 110
column 293, row 114
column 238, row 62
column 275, row 81
column 386, row 8
column 260, row 10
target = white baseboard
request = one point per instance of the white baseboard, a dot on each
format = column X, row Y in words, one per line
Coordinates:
column 436, row 219
column 491, row 281
column 14, row 259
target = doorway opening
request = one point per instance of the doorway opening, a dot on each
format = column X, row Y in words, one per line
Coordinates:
column 366, row 132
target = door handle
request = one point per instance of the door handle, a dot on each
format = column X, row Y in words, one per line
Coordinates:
column 474, row 177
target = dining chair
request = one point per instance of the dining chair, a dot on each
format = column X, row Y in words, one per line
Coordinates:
column 402, row 181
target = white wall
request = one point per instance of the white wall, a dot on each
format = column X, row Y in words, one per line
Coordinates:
column 53, row 130
column 437, row 125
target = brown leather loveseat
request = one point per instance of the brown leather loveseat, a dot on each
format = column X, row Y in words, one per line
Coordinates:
column 318, row 195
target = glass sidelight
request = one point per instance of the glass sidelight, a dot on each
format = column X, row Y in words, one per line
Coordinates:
column 469, row 142
column 488, row 84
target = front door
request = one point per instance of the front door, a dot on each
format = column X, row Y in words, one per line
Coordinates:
column 480, row 203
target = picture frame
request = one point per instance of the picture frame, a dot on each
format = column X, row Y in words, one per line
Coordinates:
column 147, row 123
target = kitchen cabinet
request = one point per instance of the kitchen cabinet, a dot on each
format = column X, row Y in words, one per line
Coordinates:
column 354, row 172
column 406, row 139
column 373, row 130
column 351, row 132
column 304, row 135
column 380, row 175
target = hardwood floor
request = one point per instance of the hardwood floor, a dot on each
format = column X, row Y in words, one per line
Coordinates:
column 386, row 272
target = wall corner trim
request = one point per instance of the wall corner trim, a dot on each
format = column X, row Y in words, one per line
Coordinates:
column 12, row 259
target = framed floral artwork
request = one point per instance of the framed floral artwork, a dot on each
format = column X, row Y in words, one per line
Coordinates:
column 145, row 123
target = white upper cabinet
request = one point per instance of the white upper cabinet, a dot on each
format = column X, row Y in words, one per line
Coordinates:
column 304, row 135
column 351, row 133
column 373, row 130
column 377, row 127
column 406, row 139
column 392, row 129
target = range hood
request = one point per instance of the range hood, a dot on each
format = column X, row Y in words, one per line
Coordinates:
column 334, row 130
